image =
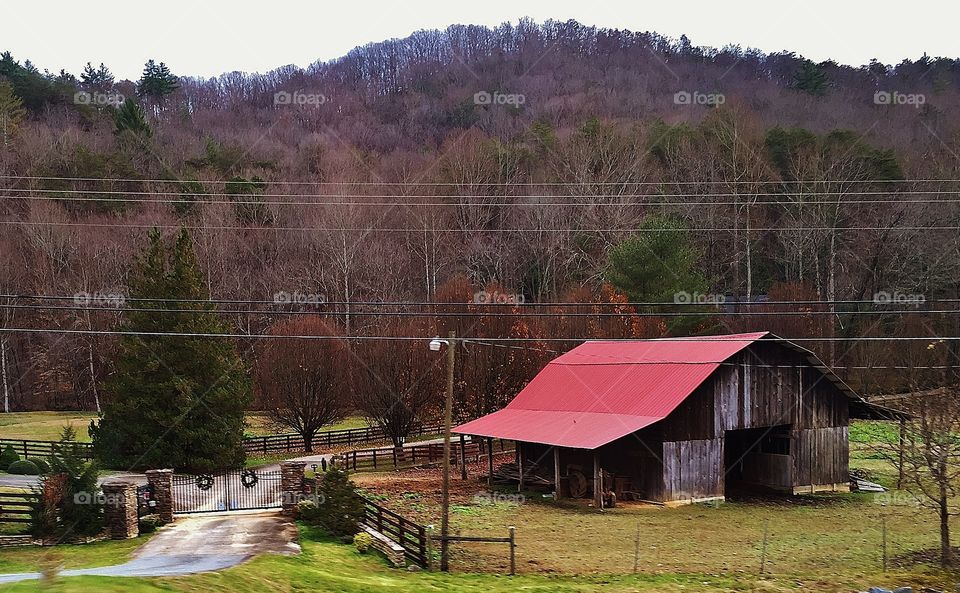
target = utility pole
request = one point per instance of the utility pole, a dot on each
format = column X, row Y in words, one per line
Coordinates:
column 447, row 422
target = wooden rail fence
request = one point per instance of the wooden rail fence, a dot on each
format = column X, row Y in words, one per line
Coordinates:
column 15, row 506
column 282, row 443
column 31, row 448
column 384, row 458
column 412, row 537
column 510, row 539
column 263, row 445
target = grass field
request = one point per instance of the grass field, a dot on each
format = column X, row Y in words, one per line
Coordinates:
column 46, row 426
column 826, row 542
column 327, row 566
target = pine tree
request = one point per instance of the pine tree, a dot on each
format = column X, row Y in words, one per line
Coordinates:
column 11, row 114
column 129, row 120
column 811, row 79
column 174, row 400
column 96, row 79
column 157, row 81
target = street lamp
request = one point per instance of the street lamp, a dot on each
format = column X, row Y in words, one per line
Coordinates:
column 435, row 345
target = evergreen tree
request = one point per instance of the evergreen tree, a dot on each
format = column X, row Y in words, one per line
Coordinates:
column 811, row 79
column 96, row 79
column 68, row 507
column 659, row 265
column 11, row 114
column 157, row 82
column 175, row 400
column 129, row 120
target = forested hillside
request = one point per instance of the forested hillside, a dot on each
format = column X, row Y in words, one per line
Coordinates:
column 536, row 163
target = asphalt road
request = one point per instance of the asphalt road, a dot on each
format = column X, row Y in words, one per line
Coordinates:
column 198, row 544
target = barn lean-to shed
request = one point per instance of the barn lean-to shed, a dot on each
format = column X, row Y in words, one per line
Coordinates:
column 682, row 419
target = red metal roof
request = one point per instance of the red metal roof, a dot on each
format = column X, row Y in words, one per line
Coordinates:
column 603, row 390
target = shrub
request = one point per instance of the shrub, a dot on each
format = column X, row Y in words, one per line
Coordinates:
column 24, row 467
column 8, row 456
column 340, row 509
column 150, row 523
column 362, row 541
column 41, row 464
column 59, row 513
column 306, row 510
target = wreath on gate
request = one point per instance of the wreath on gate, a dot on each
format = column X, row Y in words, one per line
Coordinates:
column 249, row 478
column 204, row 481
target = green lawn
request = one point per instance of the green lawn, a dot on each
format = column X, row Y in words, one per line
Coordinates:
column 33, row 558
column 329, row 567
column 46, row 426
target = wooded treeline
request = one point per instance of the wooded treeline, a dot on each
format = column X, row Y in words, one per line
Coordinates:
column 390, row 182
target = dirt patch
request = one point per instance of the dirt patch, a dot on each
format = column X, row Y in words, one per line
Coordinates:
column 928, row 556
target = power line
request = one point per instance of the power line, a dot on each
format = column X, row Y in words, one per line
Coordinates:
column 203, row 194
column 84, row 294
column 120, row 309
column 931, row 339
column 458, row 204
column 496, row 183
column 467, row 230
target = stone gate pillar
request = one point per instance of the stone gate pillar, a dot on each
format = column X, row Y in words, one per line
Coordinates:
column 120, row 510
column 291, row 484
column 162, row 482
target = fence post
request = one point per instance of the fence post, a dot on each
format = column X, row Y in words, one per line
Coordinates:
column 162, row 482
column 513, row 548
column 430, row 547
column 374, row 459
column 291, row 484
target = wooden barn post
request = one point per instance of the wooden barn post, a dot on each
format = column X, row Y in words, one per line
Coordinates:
column 520, row 466
column 556, row 471
column 490, row 462
column 463, row 457
column 597, row 481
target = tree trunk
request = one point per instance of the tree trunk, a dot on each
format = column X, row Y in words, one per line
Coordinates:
column 93, row 378
column 946, row 554
column 308, row 442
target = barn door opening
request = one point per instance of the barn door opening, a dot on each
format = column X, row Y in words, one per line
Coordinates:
column 757, row 460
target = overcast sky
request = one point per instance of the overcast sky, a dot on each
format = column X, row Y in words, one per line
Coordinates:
column 209, row 37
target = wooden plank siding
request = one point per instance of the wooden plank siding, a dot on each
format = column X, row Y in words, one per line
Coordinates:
column 693, row 470
column 820, row 457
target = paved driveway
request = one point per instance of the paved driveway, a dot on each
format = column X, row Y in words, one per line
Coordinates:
column 199, row 544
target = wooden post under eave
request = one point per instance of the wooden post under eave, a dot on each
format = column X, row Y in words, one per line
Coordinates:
column 556, row 472
column 597, row 481
column 520, row 466
column 463, row 457
column 490, row 462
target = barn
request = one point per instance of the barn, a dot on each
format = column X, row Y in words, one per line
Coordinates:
column 680, row 420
